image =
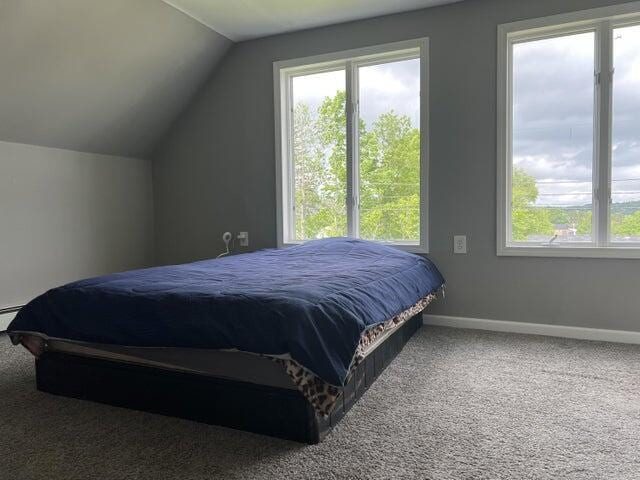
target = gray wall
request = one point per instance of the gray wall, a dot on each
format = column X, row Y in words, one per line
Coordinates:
column 66, row 215
column 99, row 76
column 215, row 171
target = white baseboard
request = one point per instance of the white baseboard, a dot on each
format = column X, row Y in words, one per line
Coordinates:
column 619, row 336
column 5, row 320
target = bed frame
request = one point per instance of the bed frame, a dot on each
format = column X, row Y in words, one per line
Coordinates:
column 261, row 409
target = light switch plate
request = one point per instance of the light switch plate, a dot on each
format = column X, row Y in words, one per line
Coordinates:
column 459, row 244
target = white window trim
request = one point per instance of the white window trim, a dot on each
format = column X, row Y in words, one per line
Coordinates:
column 282, row 73
column 598, row 20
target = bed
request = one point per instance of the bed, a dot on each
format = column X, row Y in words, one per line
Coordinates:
column 280, row 341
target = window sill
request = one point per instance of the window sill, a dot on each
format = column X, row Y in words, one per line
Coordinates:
column 407, row 247
column 628, row 252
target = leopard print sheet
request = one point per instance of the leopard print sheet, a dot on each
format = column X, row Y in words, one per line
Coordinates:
column 322, row 395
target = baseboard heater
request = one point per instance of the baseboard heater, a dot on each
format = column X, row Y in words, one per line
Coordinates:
column 6, row 310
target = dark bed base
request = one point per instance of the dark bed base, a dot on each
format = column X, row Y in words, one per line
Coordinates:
column 267, row 410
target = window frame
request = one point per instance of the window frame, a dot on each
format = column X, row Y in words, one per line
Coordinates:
column 601, row 21
column 283, row 73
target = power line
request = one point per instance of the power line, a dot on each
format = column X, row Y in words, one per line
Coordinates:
column 556, row 182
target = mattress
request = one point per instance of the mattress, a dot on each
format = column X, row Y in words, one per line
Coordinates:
column 309, row 304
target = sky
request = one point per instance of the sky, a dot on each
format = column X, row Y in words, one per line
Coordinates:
column 554, row 110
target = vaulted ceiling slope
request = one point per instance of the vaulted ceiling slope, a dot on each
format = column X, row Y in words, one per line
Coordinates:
column 245, row 19
column 103, row 76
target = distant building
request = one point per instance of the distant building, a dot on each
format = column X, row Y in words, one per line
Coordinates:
column 565, row 230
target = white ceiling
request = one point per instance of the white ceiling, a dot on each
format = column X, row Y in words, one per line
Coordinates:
column 244, row 19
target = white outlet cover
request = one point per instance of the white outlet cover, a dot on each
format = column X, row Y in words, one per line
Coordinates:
column 460, row 244
column 244, row 239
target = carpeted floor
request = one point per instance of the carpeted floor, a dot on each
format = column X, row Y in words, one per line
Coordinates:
column 455, row 404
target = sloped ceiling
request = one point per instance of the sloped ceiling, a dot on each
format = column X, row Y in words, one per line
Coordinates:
column 103, row 76
column 245, row 19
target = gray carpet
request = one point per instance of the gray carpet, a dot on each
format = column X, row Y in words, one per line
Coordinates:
column 455, row 404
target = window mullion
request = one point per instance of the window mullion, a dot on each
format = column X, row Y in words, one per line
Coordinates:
column 353, row 168
column 602, row 181
column 290, row 165
column 508, row 171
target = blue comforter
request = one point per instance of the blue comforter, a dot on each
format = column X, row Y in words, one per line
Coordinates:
column 312, row 301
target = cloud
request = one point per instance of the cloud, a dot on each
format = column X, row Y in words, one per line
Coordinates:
column 390, row 86
column 313, row 89
column 384, row 87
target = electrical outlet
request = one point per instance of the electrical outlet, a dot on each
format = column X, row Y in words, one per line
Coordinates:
column 460, row 244
column 244, row 239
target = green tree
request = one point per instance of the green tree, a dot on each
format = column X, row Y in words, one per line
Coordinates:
column 390, row 179
column 526, row 218
column 389, row 173
column 627, row 225
column 332, row 123
column 584, row 223
column 320, row 175
column 308, row 172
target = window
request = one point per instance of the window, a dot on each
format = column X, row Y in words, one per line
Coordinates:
column 351, row 145
column 568, row 137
